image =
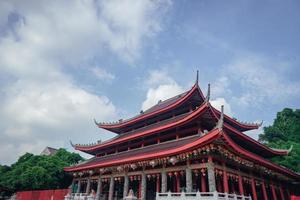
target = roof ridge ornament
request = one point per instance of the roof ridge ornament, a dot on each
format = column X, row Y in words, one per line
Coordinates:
column 197, row 78
column 261, row 123
column 290, row 149
column 208, row 94
column 97, row 123
column 71, row 143
column 221, row 119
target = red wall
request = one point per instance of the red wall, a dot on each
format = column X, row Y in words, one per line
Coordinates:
column 42, row 194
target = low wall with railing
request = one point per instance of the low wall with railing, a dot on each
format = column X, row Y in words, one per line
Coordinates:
column 200, row 196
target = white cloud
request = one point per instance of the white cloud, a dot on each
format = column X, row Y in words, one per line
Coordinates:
column 255, row 82
column 218, row 102
column 102, row 74
column 161, row 92
column 221, row 87
column 158, row 77
column 255, row 133
column 41, row 105
column 161, row 87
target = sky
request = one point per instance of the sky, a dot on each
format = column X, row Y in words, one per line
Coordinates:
column 64, row 63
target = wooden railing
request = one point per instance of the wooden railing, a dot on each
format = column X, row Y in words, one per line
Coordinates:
column 200, row 196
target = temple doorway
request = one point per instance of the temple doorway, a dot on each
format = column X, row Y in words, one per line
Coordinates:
column 134, row 185
column 118, row 188
column 151, row 187
column 105, row 190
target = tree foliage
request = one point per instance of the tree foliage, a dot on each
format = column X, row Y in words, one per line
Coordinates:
column 285, row 132
column 32, row 172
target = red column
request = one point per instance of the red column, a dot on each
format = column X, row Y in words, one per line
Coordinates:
column 225, row 182
column 219, row 184
column 174, row 180
column 157, row 184
column 177, row 183
column 203, row 183
column 264, row 191
column 273, row 192
column 253, row 189
column 241, row 188
column 281, row 193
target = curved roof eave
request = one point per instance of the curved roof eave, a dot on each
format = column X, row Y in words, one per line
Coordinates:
column 245, row 127
column 246, row 137
column 145, row 116
column 212, row 135
column 258, row 158
column 186, row 119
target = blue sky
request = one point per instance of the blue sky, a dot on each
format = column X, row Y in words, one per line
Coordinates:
column 63, row 63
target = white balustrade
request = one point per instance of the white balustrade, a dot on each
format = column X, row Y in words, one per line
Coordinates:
column 200, row 196
column 79, row 196
column 175, row 196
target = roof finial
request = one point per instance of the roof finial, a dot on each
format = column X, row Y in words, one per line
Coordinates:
column 290, row 149
column 208, row 94
column 72, row 144
column 197, row 77
column 221, row 119
column 96, row 122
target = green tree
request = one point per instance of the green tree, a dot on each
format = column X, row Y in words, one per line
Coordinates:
column 285, row 132
column 33, row 172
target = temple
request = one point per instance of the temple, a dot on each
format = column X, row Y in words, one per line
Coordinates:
column 182, row 146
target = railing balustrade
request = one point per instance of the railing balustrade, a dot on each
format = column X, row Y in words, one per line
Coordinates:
column 200, row 196
column 79, row 196
column 175, row 196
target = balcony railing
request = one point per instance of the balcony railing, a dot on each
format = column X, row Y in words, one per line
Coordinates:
column 175, row 196
column 200, row 196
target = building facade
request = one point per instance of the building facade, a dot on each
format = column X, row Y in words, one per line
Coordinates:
column 182, row 144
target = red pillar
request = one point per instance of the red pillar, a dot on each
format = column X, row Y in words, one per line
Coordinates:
column 264, row 191
column 281, row 193
column 157, row 184
column 225, row 182
column 273, row 192
column 174, row 180
column 253, row 189
column 177, row 183
column 241, row 188
column 219, row 184
column 203, row 183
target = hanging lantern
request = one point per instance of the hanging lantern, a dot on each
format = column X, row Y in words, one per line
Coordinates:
column 195, row 152
column 80, row 173
column 133, row 166
column 148, row 176
column 153, row 163
column 75, row 174
column 120, row 169
column 173, row 160
column 91, row 172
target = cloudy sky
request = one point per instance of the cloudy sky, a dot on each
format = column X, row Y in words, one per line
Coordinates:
column 63, row 63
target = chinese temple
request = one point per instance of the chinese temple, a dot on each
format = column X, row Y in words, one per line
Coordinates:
column 182, row 145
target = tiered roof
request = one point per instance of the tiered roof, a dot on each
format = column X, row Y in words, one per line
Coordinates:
column 225, row 128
